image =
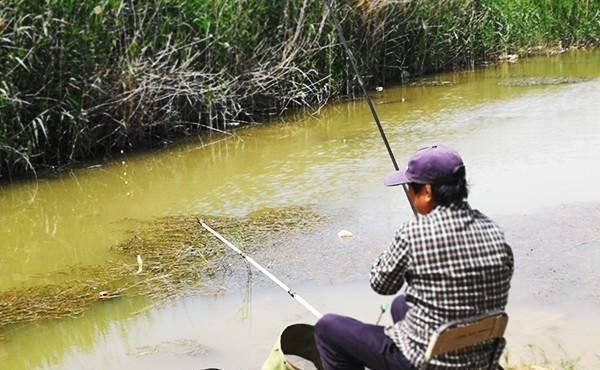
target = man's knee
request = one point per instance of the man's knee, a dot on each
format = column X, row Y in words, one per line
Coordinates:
column 399, row 308
column 327, row 325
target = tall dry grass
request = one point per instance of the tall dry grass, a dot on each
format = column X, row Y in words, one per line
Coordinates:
column 83, row 79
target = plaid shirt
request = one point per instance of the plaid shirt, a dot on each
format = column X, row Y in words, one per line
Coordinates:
column 456, row 264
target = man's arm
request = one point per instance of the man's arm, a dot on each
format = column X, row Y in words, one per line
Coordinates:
column 387, row 272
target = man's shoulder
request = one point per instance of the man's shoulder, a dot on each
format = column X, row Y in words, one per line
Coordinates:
column 483, row 218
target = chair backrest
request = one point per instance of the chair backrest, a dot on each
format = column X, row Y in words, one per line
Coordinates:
column 466, row 332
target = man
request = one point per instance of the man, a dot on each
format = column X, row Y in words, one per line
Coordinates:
column 454, row 262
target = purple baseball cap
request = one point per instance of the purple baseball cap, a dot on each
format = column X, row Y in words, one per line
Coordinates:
column 434, row 164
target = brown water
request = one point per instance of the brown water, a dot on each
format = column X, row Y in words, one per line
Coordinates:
column 530, row 136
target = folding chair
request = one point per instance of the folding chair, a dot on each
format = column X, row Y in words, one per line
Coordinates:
column 468, row 332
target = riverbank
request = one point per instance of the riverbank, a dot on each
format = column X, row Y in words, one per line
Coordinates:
column 85, row 80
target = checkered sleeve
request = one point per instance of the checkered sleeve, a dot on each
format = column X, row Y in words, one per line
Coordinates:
column 511, row 258
column 387, row 272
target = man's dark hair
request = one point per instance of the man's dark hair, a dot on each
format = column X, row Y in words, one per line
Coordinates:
column 451, row 191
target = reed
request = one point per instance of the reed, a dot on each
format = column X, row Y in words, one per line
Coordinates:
column 85, row 79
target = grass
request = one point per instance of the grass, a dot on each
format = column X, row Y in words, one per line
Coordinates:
column 85, row 79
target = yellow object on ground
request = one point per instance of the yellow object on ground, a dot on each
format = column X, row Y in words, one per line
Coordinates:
column 296, row 340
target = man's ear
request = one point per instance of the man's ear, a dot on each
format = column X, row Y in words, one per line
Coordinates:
column 427, row 193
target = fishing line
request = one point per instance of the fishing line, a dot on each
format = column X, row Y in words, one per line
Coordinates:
column 364, row 90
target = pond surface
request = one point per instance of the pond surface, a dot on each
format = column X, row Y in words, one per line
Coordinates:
column 530, row 136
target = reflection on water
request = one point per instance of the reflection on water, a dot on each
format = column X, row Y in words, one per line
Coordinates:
column 523, row 145
column 47, row 343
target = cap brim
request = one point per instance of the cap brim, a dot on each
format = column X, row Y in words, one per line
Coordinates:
column 395, row 178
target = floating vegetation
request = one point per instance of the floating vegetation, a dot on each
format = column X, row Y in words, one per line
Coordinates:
column 541, row 81
column 433, row 83
column 181, row 347
column 176, row 252
column 45, row 302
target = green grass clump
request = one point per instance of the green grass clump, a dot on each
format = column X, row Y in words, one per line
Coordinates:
column 83, row 79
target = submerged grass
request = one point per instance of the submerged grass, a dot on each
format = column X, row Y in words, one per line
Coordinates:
column 178, row 255
column 84, row 79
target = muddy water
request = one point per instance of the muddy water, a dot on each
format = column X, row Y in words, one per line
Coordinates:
column 530, row 136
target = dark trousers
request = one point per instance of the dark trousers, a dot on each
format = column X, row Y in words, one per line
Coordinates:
column 348, row 344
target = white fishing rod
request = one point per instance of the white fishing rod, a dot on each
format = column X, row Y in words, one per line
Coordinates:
column 289, row 291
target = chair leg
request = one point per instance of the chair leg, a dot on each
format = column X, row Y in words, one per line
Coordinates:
column 496, row 354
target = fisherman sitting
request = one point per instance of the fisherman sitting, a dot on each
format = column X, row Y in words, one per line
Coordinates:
column 454, row 261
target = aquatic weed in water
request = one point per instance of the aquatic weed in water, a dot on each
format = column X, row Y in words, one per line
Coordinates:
column 179, row 258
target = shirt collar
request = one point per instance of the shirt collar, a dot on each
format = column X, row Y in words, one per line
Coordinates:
column 456, row 206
